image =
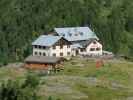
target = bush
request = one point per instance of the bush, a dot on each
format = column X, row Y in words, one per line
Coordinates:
column 12, row 90
column 32, row 80
column 50, row 98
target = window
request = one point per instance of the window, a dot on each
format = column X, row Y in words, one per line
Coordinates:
column 54, row 47
column 82, row 50
column 68, row 53
column 44, row 54
column 94, row 42
column 63, row 34
column 35, row 46
column 61, row 46
column 76, row 34
column 98, row 49
column 40, row 53
column 70, row 34
column 44, row 47
column 39, row 47
column 81, row 33
column 54, row 54
column 68, row 46
column 92, row 49
column 35, row 53
column 61, row 54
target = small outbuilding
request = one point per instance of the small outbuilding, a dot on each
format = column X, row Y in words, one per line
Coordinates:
column 43, row 62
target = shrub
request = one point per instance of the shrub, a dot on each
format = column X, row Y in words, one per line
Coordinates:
column 32, row 80
column 12, row 90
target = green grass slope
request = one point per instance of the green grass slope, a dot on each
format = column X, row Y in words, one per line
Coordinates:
column 81, row 80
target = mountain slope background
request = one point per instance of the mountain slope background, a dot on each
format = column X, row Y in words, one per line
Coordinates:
column 21, row 21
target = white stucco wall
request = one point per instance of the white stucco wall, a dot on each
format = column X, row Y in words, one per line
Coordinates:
column 95, row 52
column 58, row 50
column 50, row 51
column 46, row 51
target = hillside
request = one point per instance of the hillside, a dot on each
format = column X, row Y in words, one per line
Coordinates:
column 81, row 80
column 21, row 21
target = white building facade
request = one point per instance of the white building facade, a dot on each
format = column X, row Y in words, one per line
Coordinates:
column 58, row 47
column 93, row 49
column 84, row 41
column 67, row 42
column 59, row 51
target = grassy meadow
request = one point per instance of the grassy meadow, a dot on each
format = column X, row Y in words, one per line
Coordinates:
column 81, row 80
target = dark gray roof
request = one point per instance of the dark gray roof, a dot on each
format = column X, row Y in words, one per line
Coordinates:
column 42, row 59
column 85, row 43
column 82, row 44
column 76, row 45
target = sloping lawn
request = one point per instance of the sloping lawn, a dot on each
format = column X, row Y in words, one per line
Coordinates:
column 81, row 80
column 111, row 71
